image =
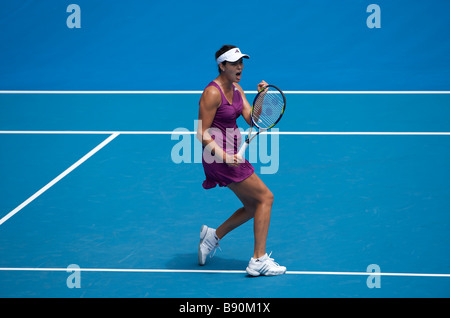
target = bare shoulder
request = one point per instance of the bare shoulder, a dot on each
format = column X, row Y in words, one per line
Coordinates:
column 211, row 97
column 246, row 103
column 239, row 88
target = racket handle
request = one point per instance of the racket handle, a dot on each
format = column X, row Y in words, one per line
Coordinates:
column 243, row 148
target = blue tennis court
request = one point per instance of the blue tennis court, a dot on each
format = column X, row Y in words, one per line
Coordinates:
column 100, row 180
column 131, row 216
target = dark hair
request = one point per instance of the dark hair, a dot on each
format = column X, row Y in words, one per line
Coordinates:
column 222, row 50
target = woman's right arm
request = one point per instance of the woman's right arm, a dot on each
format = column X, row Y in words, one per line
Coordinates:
column 209, row 103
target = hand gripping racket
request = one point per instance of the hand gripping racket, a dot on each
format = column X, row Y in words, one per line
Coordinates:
column 268, row 107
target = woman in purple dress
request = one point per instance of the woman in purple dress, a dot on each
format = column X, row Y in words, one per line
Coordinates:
column 221, row 103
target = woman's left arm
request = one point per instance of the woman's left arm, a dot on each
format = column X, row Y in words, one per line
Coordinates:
column 247, row 109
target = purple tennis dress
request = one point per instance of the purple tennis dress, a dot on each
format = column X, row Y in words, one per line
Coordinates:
column 225, row 132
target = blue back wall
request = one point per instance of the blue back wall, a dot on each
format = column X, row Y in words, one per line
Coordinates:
column 170, row 45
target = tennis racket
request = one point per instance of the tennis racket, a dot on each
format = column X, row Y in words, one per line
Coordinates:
column 267, row 110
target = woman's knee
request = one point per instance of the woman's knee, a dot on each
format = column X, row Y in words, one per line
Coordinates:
column 265, row 198
column 253, row 193
column 268, row 198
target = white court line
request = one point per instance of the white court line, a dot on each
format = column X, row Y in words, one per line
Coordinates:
column 361, row 133
column 94, row 132
column 185, row 132
column 101, row 92
column 58, row 178
column 203, row 271
column 200, row 92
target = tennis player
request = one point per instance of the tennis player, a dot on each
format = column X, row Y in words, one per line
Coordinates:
column 221, row 103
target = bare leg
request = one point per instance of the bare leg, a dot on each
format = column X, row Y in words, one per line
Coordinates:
column 238, row 218
column 257, row 200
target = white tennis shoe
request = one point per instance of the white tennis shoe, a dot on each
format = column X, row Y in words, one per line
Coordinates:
column 208, row 242
column 264, row 266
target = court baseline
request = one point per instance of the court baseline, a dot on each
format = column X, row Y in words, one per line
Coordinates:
column 143, row 270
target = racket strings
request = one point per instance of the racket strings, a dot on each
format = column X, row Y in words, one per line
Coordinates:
column 268, row 108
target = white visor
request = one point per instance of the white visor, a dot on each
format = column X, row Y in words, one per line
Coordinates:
column 232, row 55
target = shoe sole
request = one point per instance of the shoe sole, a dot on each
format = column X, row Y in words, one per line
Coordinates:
column 254, row 273
column 203, row 232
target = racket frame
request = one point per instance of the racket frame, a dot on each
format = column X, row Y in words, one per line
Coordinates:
column 260, row 130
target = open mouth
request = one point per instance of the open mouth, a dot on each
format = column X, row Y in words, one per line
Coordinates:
column 238, row 73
